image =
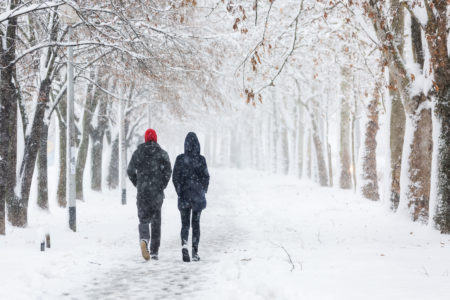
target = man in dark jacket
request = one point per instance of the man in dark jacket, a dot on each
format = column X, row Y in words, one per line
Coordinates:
column 191, row 180
column 149, row 170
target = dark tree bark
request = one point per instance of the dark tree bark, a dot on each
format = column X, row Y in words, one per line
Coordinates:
column 442, row 217
column 113, row 170
column 18, row 211
column 97, row 135
column 42, row 200
column 61, row 192
column 8, row 116
column 89, row 108
column 437, row 39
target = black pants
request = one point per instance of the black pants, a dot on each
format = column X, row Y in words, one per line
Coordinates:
column 185, row 224
column 149, row 215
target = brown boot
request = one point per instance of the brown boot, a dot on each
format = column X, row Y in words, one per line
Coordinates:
column 144, row 250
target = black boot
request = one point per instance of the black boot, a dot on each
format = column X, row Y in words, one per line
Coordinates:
column 154, row 255
column 185, row 253
column 195, row 256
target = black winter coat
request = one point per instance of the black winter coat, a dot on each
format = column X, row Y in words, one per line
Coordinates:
column 190, row 176
column 149, row 170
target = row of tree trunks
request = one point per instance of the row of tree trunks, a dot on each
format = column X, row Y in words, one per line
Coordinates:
column 419, row 161
column 18, row 206
column 18, row 209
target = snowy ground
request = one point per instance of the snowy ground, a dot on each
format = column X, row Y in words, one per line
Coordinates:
column 263, row 237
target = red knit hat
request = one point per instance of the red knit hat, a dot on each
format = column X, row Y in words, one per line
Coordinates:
column 150, row 135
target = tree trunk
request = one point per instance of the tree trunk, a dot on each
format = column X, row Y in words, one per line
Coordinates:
column 8, row 116
column 97, row 135
column 397, row 134
column 420, row 165
column 275, row 137
column 61, row 192
column 330, row 163
column 90, row 105
column 42, row 200
column 309, row 154
column 437, row 39
column 420, row 158
column 18, row 211
column 345, row 180
column 300, row 140
column 285, row 149
column 397, row 123
column 370, row 182
column 442, row 217
column 354, row 139
column 113, row 170
column 323, row 177
column 8, row 141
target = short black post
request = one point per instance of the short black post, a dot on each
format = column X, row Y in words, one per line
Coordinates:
column 73, row 218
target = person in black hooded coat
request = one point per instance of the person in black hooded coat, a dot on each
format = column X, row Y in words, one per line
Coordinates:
column 191, row 179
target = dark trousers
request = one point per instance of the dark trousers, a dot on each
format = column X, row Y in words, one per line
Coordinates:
column 185, row 224
column 151, row 216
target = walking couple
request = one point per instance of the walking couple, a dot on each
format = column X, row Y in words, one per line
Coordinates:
column 150, row 170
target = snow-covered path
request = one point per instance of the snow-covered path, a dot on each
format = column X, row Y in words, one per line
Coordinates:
column 263, row 237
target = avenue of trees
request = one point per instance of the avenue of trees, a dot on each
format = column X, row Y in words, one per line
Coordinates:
column 353, row 94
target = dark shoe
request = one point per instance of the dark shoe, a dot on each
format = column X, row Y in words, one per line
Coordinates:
column 144, row 250
column 154, row 256
column 185, row 253
column 195, row 257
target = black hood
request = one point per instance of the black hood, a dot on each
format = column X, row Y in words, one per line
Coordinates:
column 191, row 144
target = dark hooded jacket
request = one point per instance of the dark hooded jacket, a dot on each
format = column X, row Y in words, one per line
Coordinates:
column 149, row 170
column 190, row 175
